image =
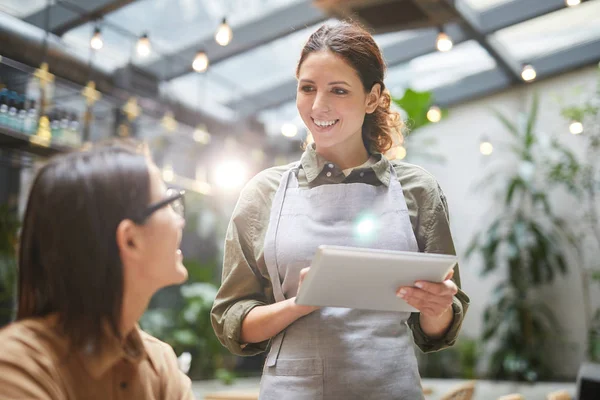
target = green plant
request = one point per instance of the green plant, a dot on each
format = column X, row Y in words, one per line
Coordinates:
column 9, row 227
column 531, row 244
column 456, row 362
column 188, row 329
column 581, row 177
column 416, row 105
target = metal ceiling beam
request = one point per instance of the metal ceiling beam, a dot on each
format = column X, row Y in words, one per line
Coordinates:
column 280, row 23
column 64, row 15
column 491, row 81
column 486, row 22
column 396, row 53
column 471, row 24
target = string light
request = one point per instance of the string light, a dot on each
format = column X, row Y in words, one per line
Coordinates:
column 443, row 42
column 224, row 33
column 434, row 114
column 201, row 135
column 400, row 153
column 486, row 148
column 528, row 73
column 96, row 42
column 167, row 173
column 576, row 127
column 572, row 3
column 143, row 46
column 200, row 63
column 289, row 130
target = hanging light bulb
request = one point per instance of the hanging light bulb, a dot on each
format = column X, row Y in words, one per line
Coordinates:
column 200, row 63
column 434, row 114
column 443, row 42
column 96, row 42
column 528, row 73
column 167, row 173
column 401, row 153
column 572, row 3
column 486, row 148
column 143, row 46
column 201, row 135
column 224, row 33
column 576, row 127
column 289, row 130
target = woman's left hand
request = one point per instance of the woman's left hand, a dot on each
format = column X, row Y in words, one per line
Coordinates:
column 431, row 299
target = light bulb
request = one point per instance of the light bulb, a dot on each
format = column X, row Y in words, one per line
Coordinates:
column 200, row 63
column 486, row 148
column 201, row 135
column 443, row 43
column 289, row 130
column 572, row 3
column 143, row 46
column 434, row 114
column 400, row 153
column 167, row 173
column 576, row 127
column 96, row 42
column 528, row 73
column 224, row 33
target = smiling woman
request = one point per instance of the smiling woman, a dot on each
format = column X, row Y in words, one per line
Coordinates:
column 331, row 196
column 100, row 236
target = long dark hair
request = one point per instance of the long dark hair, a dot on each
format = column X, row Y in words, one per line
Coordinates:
column 358, row 48
column 69, row 262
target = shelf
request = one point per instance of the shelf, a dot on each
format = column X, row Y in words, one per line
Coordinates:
column 15, row 140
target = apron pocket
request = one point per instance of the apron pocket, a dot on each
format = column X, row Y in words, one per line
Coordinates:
column 293, row 379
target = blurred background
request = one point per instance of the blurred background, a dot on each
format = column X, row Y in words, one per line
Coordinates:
column 501, row 100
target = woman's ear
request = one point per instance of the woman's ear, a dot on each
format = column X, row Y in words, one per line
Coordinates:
column 373, row 98
column 128, row 239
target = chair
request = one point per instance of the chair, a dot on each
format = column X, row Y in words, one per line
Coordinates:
column 559, row 395
column 464, row 391
column 512, row 396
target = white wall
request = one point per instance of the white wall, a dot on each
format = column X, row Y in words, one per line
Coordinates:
column 458, row 139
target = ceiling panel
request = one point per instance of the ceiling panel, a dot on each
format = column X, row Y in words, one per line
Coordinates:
column 21, row 8
column 552, row 32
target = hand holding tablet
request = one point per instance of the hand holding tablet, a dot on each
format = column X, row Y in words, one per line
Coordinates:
column 370, row 279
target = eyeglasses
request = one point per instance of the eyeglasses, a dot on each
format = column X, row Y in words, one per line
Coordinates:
column 174, row 198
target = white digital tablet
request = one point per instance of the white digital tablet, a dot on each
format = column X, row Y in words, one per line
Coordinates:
column 368, row 279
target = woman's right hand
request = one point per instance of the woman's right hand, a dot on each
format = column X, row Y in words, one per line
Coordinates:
column 303, row 310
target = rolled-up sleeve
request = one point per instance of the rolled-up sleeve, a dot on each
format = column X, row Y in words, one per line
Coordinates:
column 243, row 286
column 434, row 236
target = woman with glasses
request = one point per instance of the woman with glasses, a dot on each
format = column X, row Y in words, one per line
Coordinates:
column 100, row 236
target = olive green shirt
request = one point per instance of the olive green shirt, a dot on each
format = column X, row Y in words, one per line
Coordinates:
column 246, row 283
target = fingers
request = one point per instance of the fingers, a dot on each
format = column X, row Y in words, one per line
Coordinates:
column 446, row 287
column 426, row 302
column 303, row 273
column 450, row 275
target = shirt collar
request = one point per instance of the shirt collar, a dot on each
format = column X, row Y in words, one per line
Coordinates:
column 131, row 348
column 313, row 164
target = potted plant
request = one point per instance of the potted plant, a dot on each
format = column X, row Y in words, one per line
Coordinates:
column 528, row 244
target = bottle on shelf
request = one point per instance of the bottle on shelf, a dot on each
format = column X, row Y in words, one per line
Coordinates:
column 21, row 114
column 74, row 130
column 31, row 119
column 4, row 107
column 55, row 126
column 12, row 111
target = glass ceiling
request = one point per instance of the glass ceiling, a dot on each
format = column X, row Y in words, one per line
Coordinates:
column 175, row 25
column 552, row 32
column 481, row 5
column 21, row 8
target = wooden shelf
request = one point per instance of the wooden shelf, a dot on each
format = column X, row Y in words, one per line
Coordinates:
column 15, row 140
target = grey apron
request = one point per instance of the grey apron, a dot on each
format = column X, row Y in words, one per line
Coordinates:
column 337, row 353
